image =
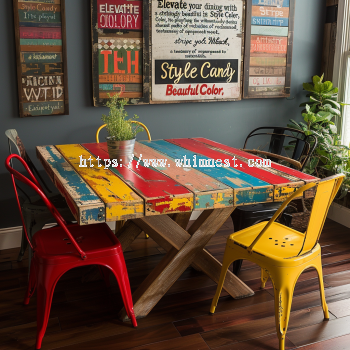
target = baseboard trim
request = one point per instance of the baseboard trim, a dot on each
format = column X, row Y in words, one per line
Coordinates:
column 11, row 237
column 339, row 214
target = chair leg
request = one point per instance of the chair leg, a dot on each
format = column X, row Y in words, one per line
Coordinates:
column 322, row 294
column 228, row 258
column 283, row 302
column 24, row 244
column 47, row 279
column 31, row 284
column 264, row 277
column 121, row 274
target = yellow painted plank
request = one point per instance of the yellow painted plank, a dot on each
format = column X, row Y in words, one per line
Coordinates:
column 121, row 201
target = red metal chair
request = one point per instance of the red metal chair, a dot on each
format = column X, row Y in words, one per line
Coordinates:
column 64, row 247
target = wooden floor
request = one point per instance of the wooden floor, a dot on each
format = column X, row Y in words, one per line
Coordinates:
column 83, row 314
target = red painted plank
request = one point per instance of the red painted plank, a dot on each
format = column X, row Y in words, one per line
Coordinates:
column 201, row 148
column 275, row 166
column 161, row 193
column 40, row 33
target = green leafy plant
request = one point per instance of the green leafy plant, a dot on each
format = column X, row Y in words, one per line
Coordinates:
column 118, row 127
column 319, row 115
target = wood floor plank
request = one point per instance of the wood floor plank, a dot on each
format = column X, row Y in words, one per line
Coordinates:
column 320, row 332
column 261, row 327
column 129, row 340
column 184, row 343
column 269, row 342
column 340, row 343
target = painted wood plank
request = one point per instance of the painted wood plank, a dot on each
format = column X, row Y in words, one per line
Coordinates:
column 277, row 3
column 270, row 21
column 266, row 90
column 40, row 33
column 42, row 1
column 268, row 44
column 43, row 108
column 41, row 18
column 41, row 42
column 247, row 188
column 41, row 57
column 275, row 71
column 268, row 61
column 120, row 87
column 121, row 201
column 267, row 81
column 268, row 11
column 234, row 151
column 120, row 78
column 209, row 192
column 162, row 194
column 42, row 68
column 85, row 205
column 41, row 48
column 43, row 6
column 272, row 31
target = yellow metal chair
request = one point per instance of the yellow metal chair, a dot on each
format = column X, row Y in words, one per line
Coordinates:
column 120, row 224
column 133, row 121
column 283, row 253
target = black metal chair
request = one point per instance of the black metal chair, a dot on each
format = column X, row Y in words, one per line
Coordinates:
column 36, row 215
column 287, row 145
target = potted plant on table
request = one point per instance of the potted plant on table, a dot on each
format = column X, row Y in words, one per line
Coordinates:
column 121, row 131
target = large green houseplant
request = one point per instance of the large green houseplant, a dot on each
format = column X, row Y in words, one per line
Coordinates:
column 330, row 156
column 121, row 131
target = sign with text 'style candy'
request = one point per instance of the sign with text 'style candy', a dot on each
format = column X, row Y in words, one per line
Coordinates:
column 196, row 50
column 41, row 57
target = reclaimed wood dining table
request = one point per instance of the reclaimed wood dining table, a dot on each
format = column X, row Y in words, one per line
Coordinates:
column 157, row 192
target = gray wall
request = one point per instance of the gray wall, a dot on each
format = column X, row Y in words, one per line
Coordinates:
column 226, row 122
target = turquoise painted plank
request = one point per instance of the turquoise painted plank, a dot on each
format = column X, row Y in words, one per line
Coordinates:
column 228, row 176
column 277, row 3
column 270, row 21
column 85, row 205
column 273, row 31
column 41, row 42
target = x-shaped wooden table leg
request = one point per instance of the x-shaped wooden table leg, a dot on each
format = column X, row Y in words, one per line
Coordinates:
column 183, row 249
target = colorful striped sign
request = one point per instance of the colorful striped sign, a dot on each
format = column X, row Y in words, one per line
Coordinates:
column 270, row 21
column 272, row 31
column 41, row 57
column 120, row 78
column 276, row 3
column 267, row 81
column 268, row 44
column 40, row 33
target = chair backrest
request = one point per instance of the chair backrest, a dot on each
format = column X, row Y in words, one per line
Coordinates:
column 325, row 193
column 304, row 145
column 35, row 185
column 132, row 121
column 13, row 138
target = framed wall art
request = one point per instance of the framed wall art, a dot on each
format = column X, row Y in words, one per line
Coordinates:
column 40, row 36
column 268, row 48
column 196, row 50
column 120, row 62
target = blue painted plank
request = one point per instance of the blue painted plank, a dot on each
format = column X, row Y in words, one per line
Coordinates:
column 85, row 205
column 270, row 21
column 276, row 3
column 269, row 30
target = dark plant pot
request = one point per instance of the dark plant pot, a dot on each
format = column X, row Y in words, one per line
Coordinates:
column 122, row 151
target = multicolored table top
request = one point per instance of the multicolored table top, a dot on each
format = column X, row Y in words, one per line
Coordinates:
column 164, row 177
